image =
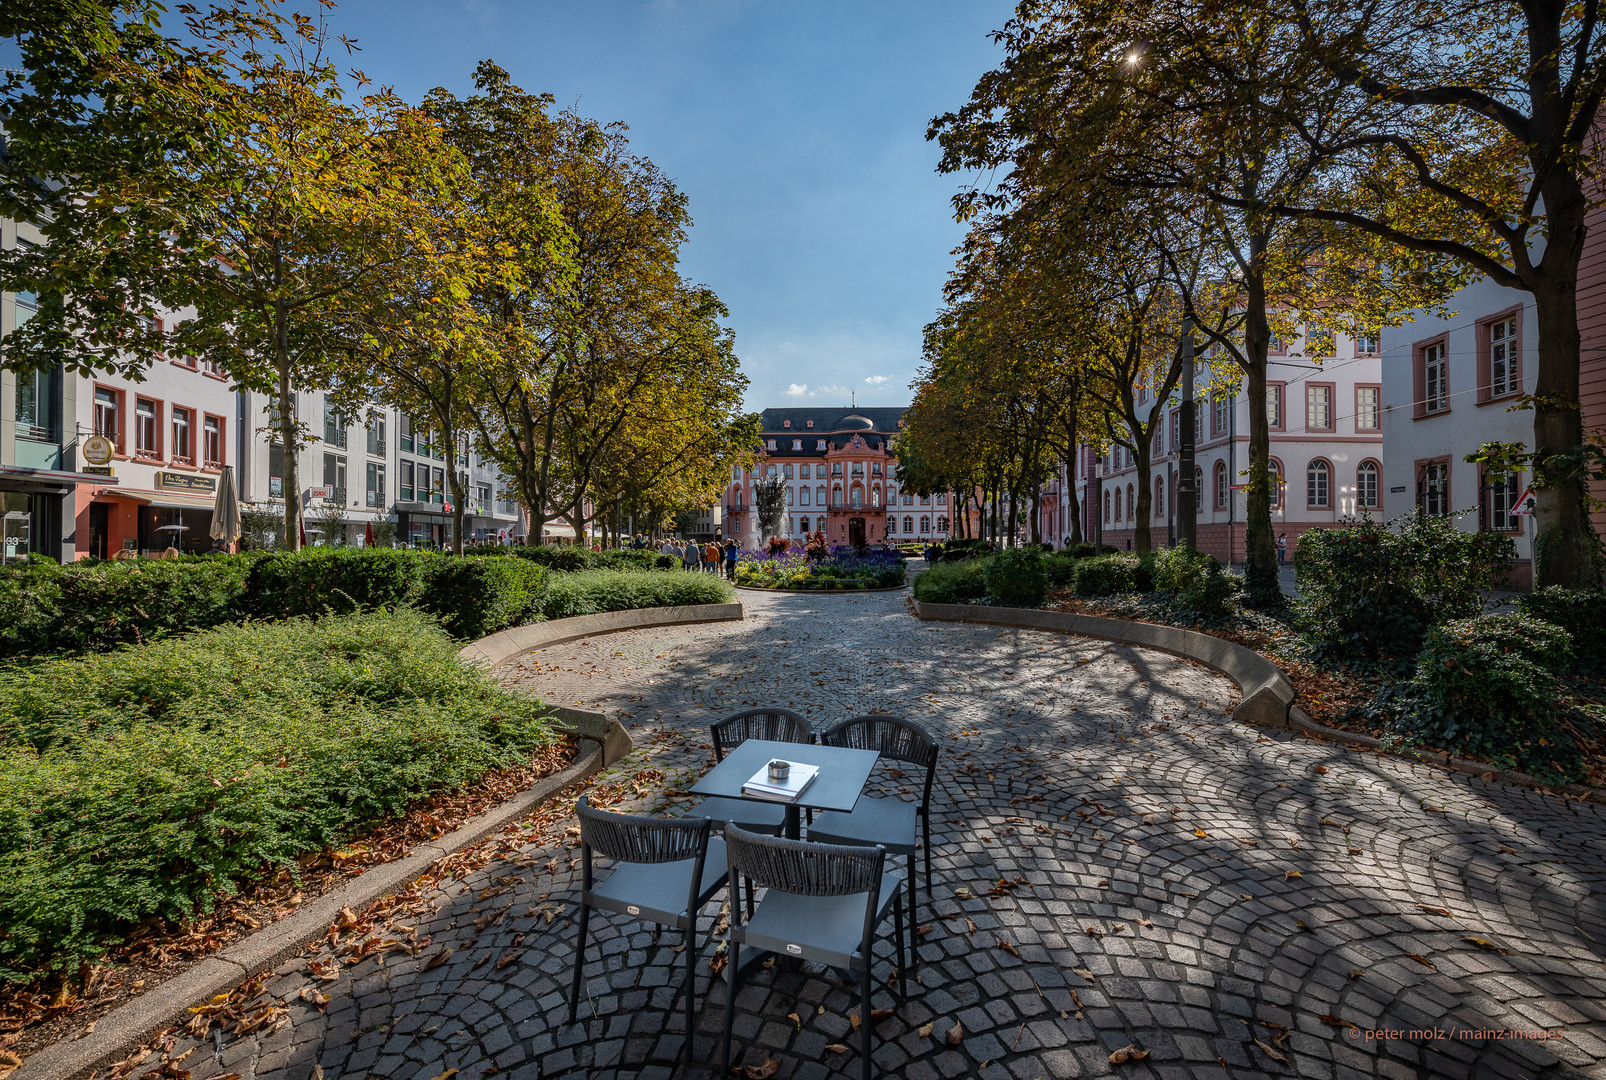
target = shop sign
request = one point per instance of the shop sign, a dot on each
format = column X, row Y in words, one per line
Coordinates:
column 98, row 450
column 99, row 470
column 172, row 481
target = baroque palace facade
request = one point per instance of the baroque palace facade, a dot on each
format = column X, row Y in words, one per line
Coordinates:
column 840, row 471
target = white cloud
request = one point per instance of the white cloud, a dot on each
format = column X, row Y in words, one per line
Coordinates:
column 877, row 380
column 832, row 391
column 797, row 390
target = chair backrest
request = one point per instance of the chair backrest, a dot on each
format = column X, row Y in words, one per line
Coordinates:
column 772, row 724
column 895, row 739
column 802, row 867
column 636, row 839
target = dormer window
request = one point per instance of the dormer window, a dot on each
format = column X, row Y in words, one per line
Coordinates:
column 819, row 444
column 810, row 423
column 786, row 423
column 771, row 444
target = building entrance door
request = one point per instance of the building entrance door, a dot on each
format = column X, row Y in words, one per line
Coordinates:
column 856, row 531
column 99, row 515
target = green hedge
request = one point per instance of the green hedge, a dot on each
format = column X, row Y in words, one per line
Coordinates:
column 157, row 779
column 317, row 581
column 1487, row 685
column 1198, row 580
column 475, row 597
column 1113, row 575
column 1369, row 591
column 961, row 582
column 92, row 606
column 593, row 591
column 1016, row 577
column 1580, row 612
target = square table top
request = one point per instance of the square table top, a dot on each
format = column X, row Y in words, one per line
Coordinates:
column 843, row 773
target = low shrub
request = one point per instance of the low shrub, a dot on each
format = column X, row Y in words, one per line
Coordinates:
column 1369, row 591
column 1486, row 685
column 1111, row 575
column 961, row 582
column 1016, row 577
column 566, row 558
column 1081, row 551
column 475, row 597
column 629, row 559
column 94, row 606
column 593, row 591
column 338, row 581
column 1580, row 612
column 1061, row 569
column 157, row 779
column 1198, row 580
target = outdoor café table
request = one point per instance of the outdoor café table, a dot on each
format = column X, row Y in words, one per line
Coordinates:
column 843, row 773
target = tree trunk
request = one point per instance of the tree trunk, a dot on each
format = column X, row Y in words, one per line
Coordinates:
column 1037, row 514
column 454, row 484
column 1566, row 550
column 1141, row 539
column 287, row 432
column 1014, row 518
column 1074, row 506
column 1260, row 546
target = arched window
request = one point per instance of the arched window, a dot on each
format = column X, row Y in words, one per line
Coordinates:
column 1318, row 486
column 1368, row 479
column 1131, row 504
column 1198, row 490
column 836, row 495
column 803, row 524
column 942, row 525
column 908, row 524
column 857, row 495
column 1222, row 486
column 1117, row 504
column 1277, row 484
column 788, row 496
column 1159, row 497
column 925, row 523
column 892, row 494
column 1106, row 508
column 819, row 495
column 875, row 495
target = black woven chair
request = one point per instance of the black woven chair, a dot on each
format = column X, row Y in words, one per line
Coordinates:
column 898, row 826
column 824, row 904
column 772, row 725
column 668, row 869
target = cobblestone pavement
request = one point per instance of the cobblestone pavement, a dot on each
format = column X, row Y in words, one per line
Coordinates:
column 1116, row 864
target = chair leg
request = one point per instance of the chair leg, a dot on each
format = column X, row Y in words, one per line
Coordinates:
column 865, row 1024
column 903, row 963
column 691, row 984
column 730, row 1008
column 747, row 890
column 926, row 826
column 579, row 962
column 914, row 903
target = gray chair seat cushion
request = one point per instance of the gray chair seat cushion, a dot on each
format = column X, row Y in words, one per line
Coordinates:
column 752, row 816
column 657, row 891
column 828, row 929
column 891, row 823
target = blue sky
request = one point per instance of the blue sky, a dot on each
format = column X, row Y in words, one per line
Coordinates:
column 796, row 128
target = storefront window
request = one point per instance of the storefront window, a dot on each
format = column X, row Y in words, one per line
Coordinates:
column 376, row 485
column 16, row 527
column 275, row 471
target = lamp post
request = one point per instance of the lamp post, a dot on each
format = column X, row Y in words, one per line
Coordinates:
column 1187, row 495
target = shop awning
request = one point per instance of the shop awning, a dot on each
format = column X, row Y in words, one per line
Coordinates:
column 167, row 500
column 53, row 476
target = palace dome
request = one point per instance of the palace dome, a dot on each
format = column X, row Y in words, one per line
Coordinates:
column 855, row 422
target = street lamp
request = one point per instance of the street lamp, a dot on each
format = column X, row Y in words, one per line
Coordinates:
column 1187, row 495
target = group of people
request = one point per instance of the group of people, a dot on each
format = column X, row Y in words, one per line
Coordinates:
column 709, row 558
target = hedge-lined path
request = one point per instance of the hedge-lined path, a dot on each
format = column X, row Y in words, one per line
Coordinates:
column 1116, row 864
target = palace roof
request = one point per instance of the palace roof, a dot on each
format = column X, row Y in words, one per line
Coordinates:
column 827, row 421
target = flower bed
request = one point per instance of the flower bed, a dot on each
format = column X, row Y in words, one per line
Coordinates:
column 841, row 568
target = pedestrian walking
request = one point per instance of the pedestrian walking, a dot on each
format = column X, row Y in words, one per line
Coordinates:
column 730, row 558
column 1282, row 548
column 668, row 548
column 691, row 555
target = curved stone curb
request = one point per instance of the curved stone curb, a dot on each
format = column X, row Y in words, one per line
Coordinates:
column 1267, row 695
column 810, row 592
column 504, row 645
column 122, row 1029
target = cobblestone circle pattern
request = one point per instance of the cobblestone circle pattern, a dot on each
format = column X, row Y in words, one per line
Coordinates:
column 1116, row 864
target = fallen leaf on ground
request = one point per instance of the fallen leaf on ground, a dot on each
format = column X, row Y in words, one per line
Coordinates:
column 1424, row 961
column 926, row 1028
column 956, row 1034
column 762, row 1072
column 1292, row 874
column 1086, row 974
column 1127, row 1053
column 447, row 1075
column 437, row 960
column 837, row 1048
column 1446, row 912
column 1485, row 943
column 1329, row 1018
column 1270, row 1052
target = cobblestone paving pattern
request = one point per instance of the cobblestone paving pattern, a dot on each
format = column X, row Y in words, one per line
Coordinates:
column 1116, row 864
